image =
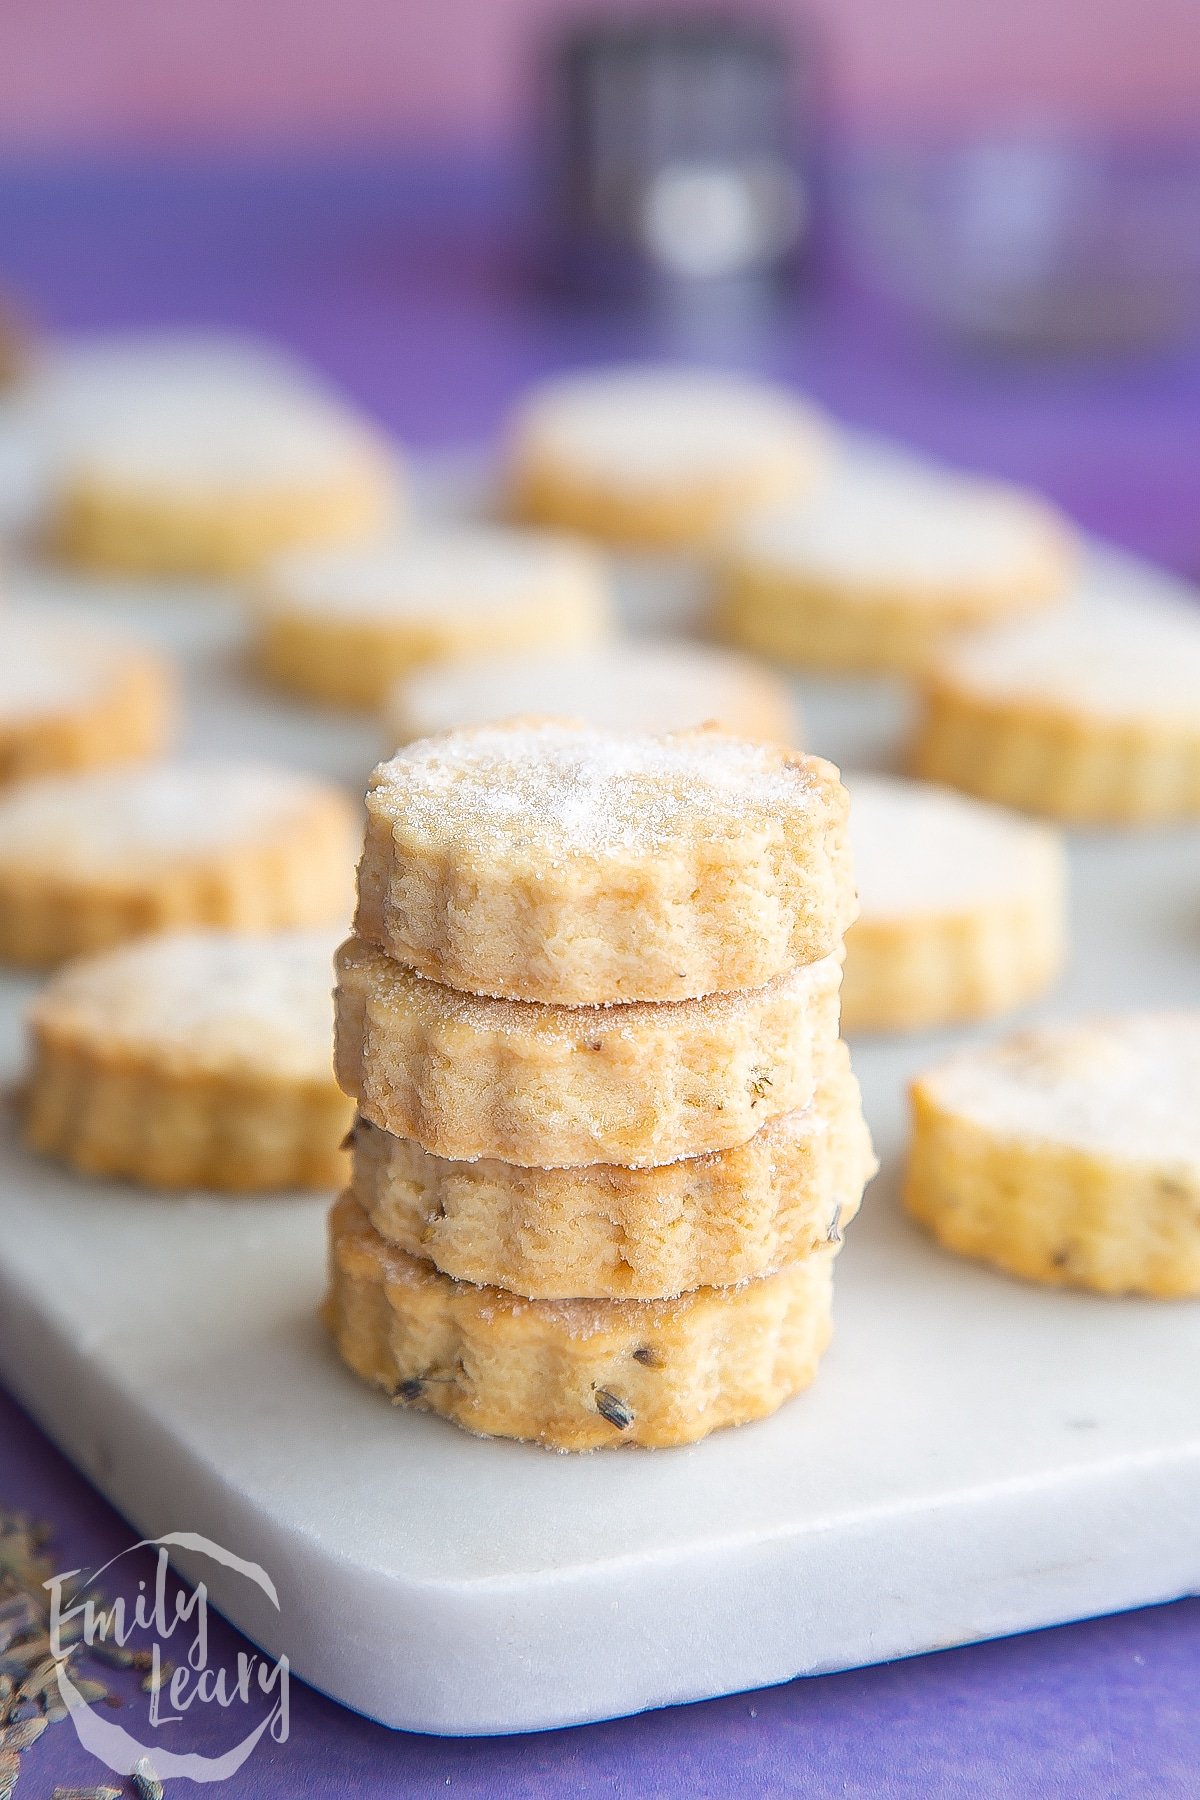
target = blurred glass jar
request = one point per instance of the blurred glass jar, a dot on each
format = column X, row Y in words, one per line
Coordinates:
column 1034, row 241
column 678, row 157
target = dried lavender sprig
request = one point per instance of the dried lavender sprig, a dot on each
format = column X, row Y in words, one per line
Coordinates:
column 146, row 1784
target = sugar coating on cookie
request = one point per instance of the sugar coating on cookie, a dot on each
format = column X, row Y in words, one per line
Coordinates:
column 554, row 1086
column 124, row 820
column 1108, row 660
column 1126, row 1087
column 920, row 849
column 74, row 695
column 628, row 688
column 211, row 1001
column 343, row 623
column 947, row 539
column 198, row 1058
column 961, row 907
column 88, row 860
column 659, row 454
column 571, row 1374
column 581, row 793
column 874, row 566
column 212, row 441
column 607, row 1232
column 1090, row 714
column 658, row 423
column 556, row 862
column 1068, row 1154
column 54, row 665
column 469, row 574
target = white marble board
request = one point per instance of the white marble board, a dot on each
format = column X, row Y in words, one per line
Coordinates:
column 977, row 1457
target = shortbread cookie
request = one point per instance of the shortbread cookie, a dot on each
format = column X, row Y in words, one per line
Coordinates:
column 343, row 624
column 628, row 688
column 209, row 474
column 73, row 696
column 1091, row 714
column 572, row 1374
column 608, row 1233
column 658, row 456
column 1070, row 1154
column 961, row 908
column 555, row 1086
column 551, row 862
column 872, row 570
column 195, row 1059
column 88, row 860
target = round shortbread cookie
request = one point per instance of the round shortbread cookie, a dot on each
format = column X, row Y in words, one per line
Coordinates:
column 572, row 1374
column 547, row 861
column 627, row 688
column 609, row 1233
column 1069, row 1154
column 962, row 908
column 344, row 624
column 203, row 472
column 1091, row 714
column 195, row 1059
column 74, row 696
column 660, row 456
column 554, row 1086
column 88, row 860
column 873, row 570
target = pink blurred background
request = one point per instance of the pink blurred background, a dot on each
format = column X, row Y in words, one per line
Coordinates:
column 116, row 74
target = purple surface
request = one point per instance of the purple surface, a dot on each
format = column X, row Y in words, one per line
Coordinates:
column 410, row 286
column 1107, row 1708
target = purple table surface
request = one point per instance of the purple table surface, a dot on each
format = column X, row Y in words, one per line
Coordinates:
column 410, row 285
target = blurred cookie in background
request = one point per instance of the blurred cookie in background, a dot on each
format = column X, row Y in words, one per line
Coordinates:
column 962, row 908
column 196, row 1059
column 88, row 860
column 199, row 456
column 658, row 456
column 1090, row 715
column 878, row 565
column 343, row 624
column 75, row 695
column 639, row 686
column 1069, row 1154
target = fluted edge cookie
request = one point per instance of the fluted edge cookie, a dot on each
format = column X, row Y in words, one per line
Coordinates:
column 547, row 861
column 89, row 860
column 343, row 625
column 1068, row 1155
column 962, row 908
column 1091, row 715
column 571, row 1374
column 879, row 565
column 191, row 1060
column 73, row 696
column 659, row 457
column 556, row 1086
column 605, row 1232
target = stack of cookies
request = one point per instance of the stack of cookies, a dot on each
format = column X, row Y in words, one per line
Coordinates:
column 608, row 1134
